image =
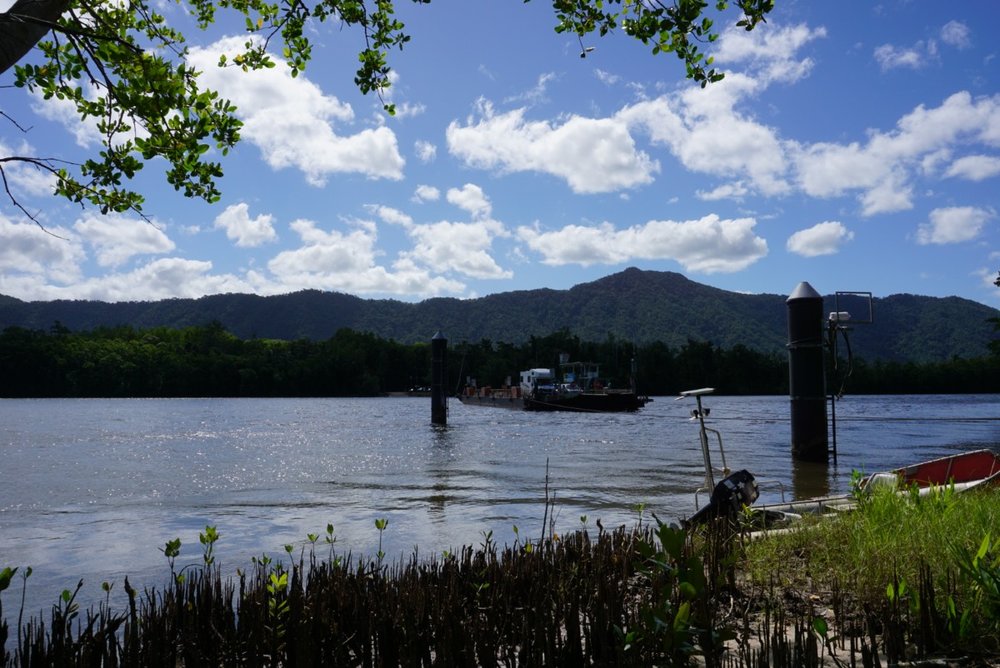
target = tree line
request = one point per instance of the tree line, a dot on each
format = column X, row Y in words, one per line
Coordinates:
column 208, row 361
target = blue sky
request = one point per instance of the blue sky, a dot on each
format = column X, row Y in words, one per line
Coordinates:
column 854, row 145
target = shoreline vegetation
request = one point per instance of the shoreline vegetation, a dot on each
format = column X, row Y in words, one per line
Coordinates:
column 904, row 579
column 208, row 361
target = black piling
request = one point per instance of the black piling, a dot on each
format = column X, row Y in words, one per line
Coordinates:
column 439, row 376
column 807, row 374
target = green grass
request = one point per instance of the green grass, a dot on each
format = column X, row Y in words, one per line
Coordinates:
column 919, row 541
column 889, row 536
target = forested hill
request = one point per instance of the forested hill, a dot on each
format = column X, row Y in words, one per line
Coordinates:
column 635, row 305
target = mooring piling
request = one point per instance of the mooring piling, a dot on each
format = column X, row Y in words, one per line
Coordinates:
column 807, row 374
column 439, row 376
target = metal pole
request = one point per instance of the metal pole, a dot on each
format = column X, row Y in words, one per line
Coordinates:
column 709, row 475
column 807, row 375
column 439, row 376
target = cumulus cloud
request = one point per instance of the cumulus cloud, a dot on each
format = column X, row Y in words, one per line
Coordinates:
column 592, row 155
column 391, row 215
column 162, row 279
column 447, row 246
column 116, row 237
column 988, row 278
column 708, row 133
column 884, row 168
column 425, row 150
column 247, row 232
column 457, row 247
column 956, row 34
column 821, row 239
column 425, row 193
column 471, row 198
column 347, row 261
column 952, row 225
column 37, row 255
column 292, row 121
column 734, row 191
column 409, row 109
column 707, row 245
column 22, row 177
column 890, row 57
column 773, row 55
column 975, row 167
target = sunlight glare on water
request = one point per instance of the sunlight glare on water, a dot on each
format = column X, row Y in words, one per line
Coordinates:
column 94, row 488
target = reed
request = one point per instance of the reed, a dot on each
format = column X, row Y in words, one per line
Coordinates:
column 854, row 591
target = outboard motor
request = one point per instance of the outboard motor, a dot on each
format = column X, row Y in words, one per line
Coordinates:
column 734, row 493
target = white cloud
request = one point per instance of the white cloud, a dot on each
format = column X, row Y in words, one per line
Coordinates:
column 707, row 131
column 116, row 238
column 536, row 94
column 988, row 277
column 606, row 78
column 63, row 111
column 409, row 109
column 391, row 215
column 41, row 255
column 347, row 262
column 247, row 232
column 22, row 177
column 821, row 239
column 714, row 141
column 425, row 150
column 592, row 155
column 734, row 191
column 162, row 279
column 891, row 57
column 883, row 169
column 956, row 34
column 975, row 167
column 771, row 54
column 707, row 245
column 291, row 120
column 458, row 247
column 425, row 193
column 471, row 198
column 445, row 246
column 953, row 225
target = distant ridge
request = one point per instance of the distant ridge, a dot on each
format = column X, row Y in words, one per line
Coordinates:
column 633, row 305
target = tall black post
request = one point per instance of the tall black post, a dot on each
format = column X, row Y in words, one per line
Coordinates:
column 807, row 374
column 439, row 377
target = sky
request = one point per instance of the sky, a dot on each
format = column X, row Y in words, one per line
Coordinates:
column 852, row 144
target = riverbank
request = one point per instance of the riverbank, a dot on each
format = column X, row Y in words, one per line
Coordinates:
column 833, row 593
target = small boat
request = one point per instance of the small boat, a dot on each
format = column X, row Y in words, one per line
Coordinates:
column 964, row 470
column 579, row 389
column 738, row 491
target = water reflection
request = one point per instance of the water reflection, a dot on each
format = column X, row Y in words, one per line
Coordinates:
column 810, row 479
column 91, row 488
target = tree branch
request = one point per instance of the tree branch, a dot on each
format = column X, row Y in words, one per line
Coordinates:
column 23, row 25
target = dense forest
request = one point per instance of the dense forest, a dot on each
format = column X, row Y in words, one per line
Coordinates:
column 209, row 361
column 644, row 307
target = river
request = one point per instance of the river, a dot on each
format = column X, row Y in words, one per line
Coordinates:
column 93, row 488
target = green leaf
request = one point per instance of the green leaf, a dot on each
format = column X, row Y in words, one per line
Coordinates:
column 5, row 576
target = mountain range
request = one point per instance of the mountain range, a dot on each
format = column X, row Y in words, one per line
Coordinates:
column 634, row 305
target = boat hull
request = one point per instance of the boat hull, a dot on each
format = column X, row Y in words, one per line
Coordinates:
column 975, row 466
column 605, row 402
column 589, row 402
column 962, row 472
column 493, row 401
